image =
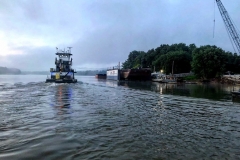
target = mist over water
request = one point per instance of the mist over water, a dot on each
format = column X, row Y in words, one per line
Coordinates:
column 99, row 119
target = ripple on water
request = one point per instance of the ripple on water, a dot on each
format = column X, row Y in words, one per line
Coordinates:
column 86, row 121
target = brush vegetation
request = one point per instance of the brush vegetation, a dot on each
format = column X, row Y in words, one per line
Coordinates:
column 205, row 61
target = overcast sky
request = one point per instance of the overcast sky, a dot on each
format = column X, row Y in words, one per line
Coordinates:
column 104, row 32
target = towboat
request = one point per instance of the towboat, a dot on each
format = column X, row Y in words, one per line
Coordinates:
column 63, row 72
column 158, row 77
column 162, row 78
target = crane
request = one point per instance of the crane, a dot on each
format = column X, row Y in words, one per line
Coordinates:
column 229, row 25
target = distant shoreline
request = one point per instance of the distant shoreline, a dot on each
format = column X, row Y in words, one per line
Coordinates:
column 5, row 70
column 81, row 73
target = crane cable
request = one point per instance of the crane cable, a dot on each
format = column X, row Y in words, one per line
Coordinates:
column 214, row 18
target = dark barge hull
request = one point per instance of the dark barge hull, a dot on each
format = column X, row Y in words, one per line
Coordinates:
column 142, row 74
column 101, row 76
column 61, row 80
column 235, row 94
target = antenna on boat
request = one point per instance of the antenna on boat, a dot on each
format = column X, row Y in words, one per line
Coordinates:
column 57, row 49
column 69, row 49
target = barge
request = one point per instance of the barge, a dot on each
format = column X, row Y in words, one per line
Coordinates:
column 113, row 74
column 137, row 74
column 101, row 76
column 235, row 94
column 140, row 74
column 63, row 72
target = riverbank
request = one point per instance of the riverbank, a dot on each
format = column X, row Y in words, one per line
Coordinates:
column 225, row 79
column 230, row 79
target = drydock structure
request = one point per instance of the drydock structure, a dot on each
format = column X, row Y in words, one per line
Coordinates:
column 63, row 72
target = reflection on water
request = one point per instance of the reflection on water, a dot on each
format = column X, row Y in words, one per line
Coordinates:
column 61, row 100
column 63, row 95
column 212, row 91
column 208, row 91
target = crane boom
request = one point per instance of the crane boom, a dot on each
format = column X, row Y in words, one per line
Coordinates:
column 229, row 25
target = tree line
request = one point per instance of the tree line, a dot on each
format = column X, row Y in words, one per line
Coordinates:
column 5, row 70
column 205, row 61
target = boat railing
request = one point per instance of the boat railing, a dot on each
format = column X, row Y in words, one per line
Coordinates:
column 114, row 67
column 52, row 70
column 182, row 74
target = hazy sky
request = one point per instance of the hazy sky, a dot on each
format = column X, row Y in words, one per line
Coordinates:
column 104, row 32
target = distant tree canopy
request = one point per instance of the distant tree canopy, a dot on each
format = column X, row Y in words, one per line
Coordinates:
column 209, row 62
column 5, row 70
column 205, row 61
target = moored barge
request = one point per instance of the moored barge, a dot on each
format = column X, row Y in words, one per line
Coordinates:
column 113, row 74
column 137, row 74
column 63, row 72
column 101, row 76
column 140, row 74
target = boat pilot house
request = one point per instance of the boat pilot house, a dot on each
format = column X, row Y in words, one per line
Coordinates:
column 63, row 72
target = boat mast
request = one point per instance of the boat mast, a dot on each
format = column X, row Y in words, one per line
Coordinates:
column 172, row 67
column 69, row 49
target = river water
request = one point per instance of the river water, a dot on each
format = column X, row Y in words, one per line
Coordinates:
column 99, row 119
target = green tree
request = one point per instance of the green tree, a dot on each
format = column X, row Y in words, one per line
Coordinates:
column 208, row 62
column 179, row 61
column 205, row 61
column 233, row 62
column 135, row 59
